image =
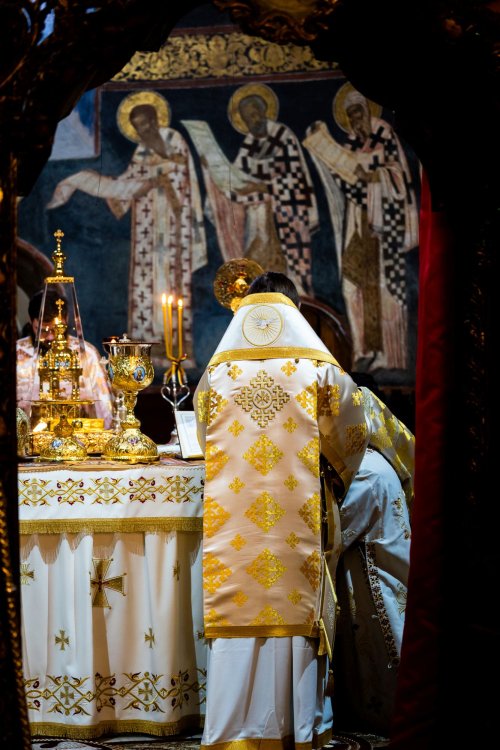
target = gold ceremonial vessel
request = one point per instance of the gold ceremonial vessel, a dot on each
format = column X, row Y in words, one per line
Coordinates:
column 233, row 280
column 130, row 370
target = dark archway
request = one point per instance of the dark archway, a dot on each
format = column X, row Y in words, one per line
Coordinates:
column 436, row 64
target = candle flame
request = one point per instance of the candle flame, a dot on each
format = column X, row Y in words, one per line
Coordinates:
column 170, row 299
column 163, row 299
column 180, row 302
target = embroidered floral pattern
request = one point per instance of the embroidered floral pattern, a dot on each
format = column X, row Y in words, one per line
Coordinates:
column 214, row 517
column 311, row 568
column 310, row 513
column 267, row 569
column 263, row 455
column 214, row 573
column 265, row 512
column 268, row 616
column 308, row 399
column 309, row 455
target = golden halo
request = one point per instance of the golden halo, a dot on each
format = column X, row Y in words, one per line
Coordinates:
column 338, row 108
column 141, row 97
column 251, row 89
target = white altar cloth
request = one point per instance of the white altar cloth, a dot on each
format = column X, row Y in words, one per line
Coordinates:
column 111, row 597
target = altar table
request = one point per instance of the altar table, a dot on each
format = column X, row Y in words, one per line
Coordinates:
column 111, row 597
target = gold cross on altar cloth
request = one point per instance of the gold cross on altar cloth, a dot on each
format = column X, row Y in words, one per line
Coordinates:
column 99, row 583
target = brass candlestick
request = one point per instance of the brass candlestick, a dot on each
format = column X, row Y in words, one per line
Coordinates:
column 130, row 371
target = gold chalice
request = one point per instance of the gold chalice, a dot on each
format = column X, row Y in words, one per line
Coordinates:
column 130, row 371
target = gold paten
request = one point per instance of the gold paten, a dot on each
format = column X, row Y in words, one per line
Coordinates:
column 130, row 370
column 94, row 440
column 233, row 280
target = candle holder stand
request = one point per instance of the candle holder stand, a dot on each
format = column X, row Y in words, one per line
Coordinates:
column 175, row 390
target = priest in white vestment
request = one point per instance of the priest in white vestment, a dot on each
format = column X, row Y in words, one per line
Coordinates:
column 273, row 403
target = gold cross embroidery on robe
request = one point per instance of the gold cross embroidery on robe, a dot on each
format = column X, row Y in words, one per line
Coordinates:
column 263, row 399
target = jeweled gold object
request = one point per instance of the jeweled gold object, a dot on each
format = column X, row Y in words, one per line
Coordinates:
column 233, row 280
column 59, row 364
column 130, row 370
column 64, row 446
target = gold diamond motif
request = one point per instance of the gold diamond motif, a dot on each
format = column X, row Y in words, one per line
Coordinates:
column 266, row 569
column 202, row 406
column 238, row 542
column 288, row 368
column 268, row 616
column 214, row 517
column 292, row 540
column 263, row 455
column 265, row 512
column 309, row 455
column 215, row 459
column 355, row 438
column 214, row 573
column 216, row 404
column 236, row 485
column 294, row 596
column 311, row 568
column 310, row 513
column 235, row 427
column 262, row 399
column 291, row 482
column 239, row 599
column 234, row 371
column 329, row 400
column 308, row 399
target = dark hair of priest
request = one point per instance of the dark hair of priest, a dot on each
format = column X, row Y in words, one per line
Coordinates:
column 272, row 281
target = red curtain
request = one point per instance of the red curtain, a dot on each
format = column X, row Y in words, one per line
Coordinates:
column 417, row 712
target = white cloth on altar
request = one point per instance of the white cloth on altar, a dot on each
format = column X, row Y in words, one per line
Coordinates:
column 262, row 689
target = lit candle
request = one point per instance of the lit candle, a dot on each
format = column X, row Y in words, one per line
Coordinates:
column 180, row 305
column 165, row 331
column 170, row 327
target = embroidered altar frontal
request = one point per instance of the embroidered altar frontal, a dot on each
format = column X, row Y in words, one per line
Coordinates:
column 111, row 598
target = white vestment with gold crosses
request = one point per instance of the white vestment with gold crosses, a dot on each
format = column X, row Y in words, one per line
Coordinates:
column 271, row 400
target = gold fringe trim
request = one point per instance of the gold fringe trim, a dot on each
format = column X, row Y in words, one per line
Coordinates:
column 59, row 279
column 118, row 726
column 273, row 352
column 260, row 631
column 106, row 525
column 266, row 298
column 263, row 743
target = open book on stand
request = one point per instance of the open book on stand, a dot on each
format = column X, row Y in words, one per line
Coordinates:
column 185, row 422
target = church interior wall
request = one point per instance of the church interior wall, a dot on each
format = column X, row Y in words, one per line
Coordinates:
column 205, row 61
